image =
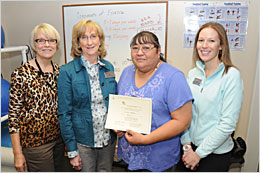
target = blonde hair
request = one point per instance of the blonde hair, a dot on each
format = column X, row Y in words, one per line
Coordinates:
column 79, row 30
column 224, row 54
column 48, row 31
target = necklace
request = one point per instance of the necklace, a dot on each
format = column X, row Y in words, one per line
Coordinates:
column 157, row 66
column 41, row 73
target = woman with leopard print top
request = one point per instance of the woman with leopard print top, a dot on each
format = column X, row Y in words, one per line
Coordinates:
column 33, row 121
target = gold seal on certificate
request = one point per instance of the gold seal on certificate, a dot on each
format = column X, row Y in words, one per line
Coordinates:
column 133, row 113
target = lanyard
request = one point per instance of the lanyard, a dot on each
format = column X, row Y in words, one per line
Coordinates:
column 40, row 69
column 41, row 73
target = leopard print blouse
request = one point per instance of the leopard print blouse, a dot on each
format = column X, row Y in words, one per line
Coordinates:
column 33, row 106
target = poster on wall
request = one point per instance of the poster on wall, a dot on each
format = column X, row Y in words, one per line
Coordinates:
column 233, row 16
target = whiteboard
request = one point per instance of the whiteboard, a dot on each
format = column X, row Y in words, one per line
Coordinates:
column 120, row 22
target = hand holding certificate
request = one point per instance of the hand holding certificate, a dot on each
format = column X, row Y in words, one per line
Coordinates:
column 125, row 112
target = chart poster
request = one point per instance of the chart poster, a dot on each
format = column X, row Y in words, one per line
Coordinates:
column 232, row 15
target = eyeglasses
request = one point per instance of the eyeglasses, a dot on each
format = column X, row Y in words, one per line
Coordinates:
column 144, row 49
column 91, row 37
column 43, row 41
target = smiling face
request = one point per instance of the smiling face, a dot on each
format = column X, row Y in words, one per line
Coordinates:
column 145, row 56
column 89, row 44
column 46, row 50
column 208, row 45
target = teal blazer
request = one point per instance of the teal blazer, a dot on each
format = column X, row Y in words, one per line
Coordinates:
column 74, row 101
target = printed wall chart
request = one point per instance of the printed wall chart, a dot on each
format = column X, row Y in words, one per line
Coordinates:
column 233, row 16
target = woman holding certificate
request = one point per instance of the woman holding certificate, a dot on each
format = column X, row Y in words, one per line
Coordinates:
column 151, row 77
column 84, row 85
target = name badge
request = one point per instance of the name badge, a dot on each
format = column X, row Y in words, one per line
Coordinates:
column 109, row 74
column 197, row 81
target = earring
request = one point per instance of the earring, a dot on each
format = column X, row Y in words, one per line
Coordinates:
column 134, row 69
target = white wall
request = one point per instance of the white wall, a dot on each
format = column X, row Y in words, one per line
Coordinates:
column 19, row 18
column 253, row 130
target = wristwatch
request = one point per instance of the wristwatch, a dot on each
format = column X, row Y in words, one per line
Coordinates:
column 186, row 147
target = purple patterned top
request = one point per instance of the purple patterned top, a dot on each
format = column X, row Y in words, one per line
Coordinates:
column 169, row 91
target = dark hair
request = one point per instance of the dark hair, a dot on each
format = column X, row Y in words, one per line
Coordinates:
column 224, row 54
column 145, row 37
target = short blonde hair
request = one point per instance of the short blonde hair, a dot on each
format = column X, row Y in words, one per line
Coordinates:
column 48, row 31
column 79, row 30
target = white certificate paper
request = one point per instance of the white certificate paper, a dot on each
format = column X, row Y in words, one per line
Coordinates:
column 133, row 113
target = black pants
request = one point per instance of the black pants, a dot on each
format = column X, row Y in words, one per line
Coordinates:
column 211, row 163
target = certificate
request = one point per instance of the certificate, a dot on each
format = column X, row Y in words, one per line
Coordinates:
column 133, row 113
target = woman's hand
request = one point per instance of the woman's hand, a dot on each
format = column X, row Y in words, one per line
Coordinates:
column 20, row 162
column 76, row 163
column 135, row 138
column 19, row 159
column 119, row 133
column 190, row 159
